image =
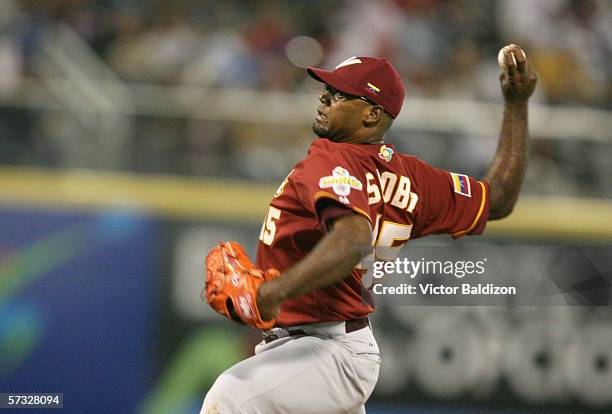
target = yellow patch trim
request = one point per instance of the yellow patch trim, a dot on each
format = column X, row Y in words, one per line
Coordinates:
column 324, row 194
column 330, row 181
column 480, row 210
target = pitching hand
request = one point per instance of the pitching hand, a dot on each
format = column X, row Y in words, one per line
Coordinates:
column 518, row 79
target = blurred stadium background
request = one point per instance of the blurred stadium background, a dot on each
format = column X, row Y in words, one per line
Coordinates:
column 134, row 134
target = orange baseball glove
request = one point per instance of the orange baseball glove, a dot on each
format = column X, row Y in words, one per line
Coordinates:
column 232, row 282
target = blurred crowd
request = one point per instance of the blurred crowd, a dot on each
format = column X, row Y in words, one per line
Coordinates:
column 442, row 48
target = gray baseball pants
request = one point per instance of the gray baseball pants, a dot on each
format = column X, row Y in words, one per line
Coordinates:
column 322, row 371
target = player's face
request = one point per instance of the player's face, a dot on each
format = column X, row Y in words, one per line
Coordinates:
column 339, row 116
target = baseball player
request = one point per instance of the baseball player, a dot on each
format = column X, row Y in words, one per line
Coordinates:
column 352, row 200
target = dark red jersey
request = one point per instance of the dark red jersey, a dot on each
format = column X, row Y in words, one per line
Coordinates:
column 403, row 198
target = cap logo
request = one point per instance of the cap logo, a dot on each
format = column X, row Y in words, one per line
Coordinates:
column 350, row 61
column 373, row 88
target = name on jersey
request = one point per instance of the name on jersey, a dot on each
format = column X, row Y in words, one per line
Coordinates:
column 391, row 188
column 341, row 182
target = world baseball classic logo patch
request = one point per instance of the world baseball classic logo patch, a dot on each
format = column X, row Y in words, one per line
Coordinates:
column 341, row 181
column 385, row 153
column 461, row 182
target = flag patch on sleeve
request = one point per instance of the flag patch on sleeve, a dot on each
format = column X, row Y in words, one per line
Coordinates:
column 461, row 182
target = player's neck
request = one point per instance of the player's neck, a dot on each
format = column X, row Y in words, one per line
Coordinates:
column 370, row 141
column 362, row 139
column 368, row 136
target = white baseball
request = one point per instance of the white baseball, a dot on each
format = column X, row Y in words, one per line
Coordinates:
column 501, row 58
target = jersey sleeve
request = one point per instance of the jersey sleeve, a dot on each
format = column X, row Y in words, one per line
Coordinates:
column 455, row 203
column 329, row 210
column 331, row 178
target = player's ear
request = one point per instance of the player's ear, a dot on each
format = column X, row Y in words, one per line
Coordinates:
column 373, row 116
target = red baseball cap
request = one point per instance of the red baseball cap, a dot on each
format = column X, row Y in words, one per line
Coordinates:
column 371, row 77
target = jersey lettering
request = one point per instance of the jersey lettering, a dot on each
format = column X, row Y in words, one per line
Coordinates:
column 393, row 190
column 281, row 187
column 373, row 191
column 268, row 229
column 402, row 194
column 387, row 184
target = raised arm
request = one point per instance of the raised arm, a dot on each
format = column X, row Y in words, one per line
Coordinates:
column 329, row 262
column 506, row 172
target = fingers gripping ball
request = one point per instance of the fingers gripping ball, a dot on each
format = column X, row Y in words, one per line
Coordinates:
column 501, row 56
column 518, row 78
column 232, row 282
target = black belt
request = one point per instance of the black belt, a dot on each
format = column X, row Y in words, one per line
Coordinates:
column 356, row 324
column 351, row 325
